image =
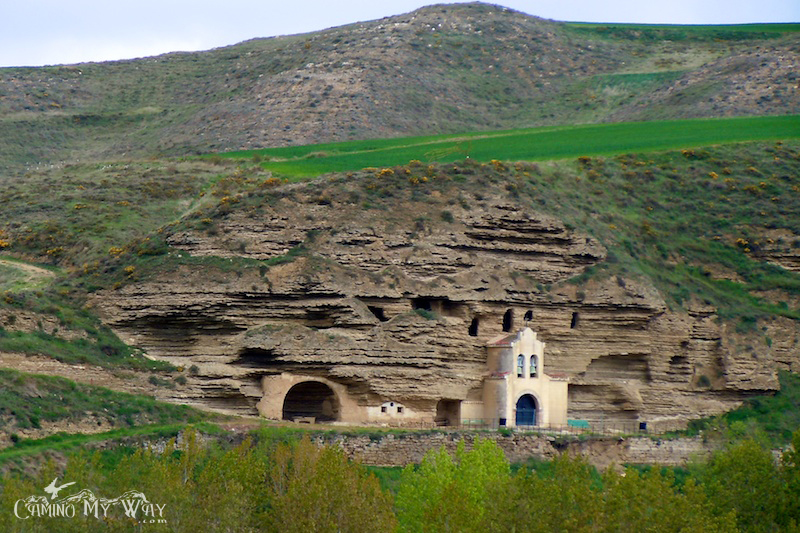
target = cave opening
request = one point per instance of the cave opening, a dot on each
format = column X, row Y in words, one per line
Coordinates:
column 378, row 312
column 448, row 413
column 473, row 327
column 425, row 304
column 311, row 400
column 575, row 319
column 508, row 320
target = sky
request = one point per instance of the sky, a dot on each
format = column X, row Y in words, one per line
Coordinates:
column 52, row 32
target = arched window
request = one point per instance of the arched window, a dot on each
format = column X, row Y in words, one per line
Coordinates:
column 508, row 320
column 533, row 366
column 520, row 366
column 528, row 316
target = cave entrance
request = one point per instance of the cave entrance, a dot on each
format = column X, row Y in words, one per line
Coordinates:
column 448, row 413
column 311, row 401
column 526, row 410
column 508, row 320
column 473, row 327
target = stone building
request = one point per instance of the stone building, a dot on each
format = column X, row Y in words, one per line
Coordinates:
column 516, row 392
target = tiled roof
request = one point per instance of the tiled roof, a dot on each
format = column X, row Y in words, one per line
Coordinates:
column 503, row 341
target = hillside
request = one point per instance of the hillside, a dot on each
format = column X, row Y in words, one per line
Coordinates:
column 659, row 260
column 441, row 69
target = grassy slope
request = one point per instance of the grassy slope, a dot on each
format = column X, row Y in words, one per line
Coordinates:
column 92, row 208
column 29, row 400
column 772, row 418
column 160, row 105
column 526, row 145
column 674, row 217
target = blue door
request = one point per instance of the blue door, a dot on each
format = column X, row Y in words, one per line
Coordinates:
column 526, row 411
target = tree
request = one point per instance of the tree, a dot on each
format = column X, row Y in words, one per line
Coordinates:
column 745, row 478
column 446, row 494
column 318, row 489
column 790, row 470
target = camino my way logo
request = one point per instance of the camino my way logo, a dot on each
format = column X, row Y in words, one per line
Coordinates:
column 133, row 503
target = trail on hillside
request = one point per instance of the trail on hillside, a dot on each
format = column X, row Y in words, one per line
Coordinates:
column 33, row 274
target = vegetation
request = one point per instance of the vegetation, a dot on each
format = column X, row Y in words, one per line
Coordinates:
column 75, row 335
column 33, row 401
column 769, row 420
column 683, row 33
column 524, row 145
column 297, row 486
column 700, row 207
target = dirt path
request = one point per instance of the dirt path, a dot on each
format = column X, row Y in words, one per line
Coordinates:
column 34, row 275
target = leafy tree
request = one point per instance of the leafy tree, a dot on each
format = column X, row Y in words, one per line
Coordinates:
column 746, row 479
column 650, row 502
column 790, row 469
column 561, row 497
column 447, row 494
column 318, row 489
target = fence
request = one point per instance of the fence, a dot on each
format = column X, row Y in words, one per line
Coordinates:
column 575, row 427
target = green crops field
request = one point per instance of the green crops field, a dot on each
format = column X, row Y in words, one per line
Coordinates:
column 696, row 29
column 528, row 144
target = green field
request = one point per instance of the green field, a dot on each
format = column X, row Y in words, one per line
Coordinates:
column 684, row 33
column 529, row 144
column 697, row 28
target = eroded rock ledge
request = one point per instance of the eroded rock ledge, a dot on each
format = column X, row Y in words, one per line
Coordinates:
column 398, row 306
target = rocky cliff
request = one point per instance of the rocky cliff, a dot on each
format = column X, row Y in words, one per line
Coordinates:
column 397, row 299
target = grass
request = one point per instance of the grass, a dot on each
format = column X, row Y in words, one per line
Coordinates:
column 91, row 209
column 771, row 419
column 77, row 442
column 537, row 144
column 684, row 33
column 31, row 400
column 15, row 277
column 89, row 341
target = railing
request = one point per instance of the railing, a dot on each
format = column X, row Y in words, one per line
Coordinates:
column 574, row 427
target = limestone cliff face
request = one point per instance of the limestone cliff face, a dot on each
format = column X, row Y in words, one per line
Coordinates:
column 398, row 305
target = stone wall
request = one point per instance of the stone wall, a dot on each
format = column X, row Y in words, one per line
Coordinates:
column 602, row 452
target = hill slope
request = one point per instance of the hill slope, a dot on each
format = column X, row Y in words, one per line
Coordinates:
column 440, row 69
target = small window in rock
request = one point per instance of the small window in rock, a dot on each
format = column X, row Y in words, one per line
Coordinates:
column 383, row 408
column 508, row 320
column 473, row 328
column 574, row 323
column 378, row 312
column 528, row 316
column 399, row 408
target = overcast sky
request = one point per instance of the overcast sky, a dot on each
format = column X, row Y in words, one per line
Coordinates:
column 49, row 32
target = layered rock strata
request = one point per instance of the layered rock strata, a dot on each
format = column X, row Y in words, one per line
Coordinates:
column 398, row 307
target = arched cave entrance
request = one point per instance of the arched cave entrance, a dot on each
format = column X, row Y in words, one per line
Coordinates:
column 311, row 399
column 526, row 410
